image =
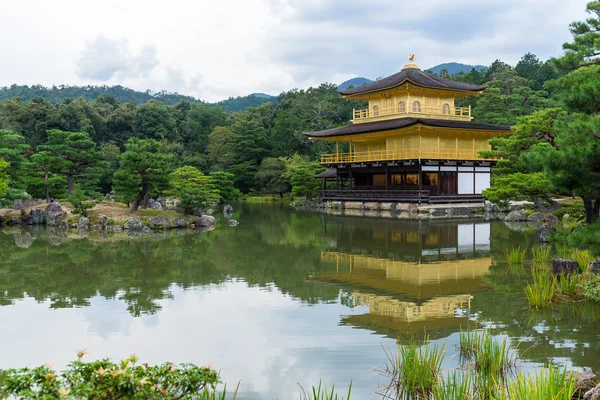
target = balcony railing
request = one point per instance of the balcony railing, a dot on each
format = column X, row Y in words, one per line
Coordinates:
column 406, row 154
column 424, row 111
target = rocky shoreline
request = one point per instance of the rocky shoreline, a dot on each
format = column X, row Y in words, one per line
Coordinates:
column 54, row 215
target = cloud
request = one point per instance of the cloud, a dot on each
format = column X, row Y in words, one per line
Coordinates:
column 104, row 58
column 321, row 39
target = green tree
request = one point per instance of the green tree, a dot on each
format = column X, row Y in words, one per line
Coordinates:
column 218, row 146
column 223, row 181
column 193, row 188
column 584, row 50
column 3, row 177
column 142, row 170
column 154, row 120
column 572, row 166
column 79, row 202
column 73, row 153
column 303, row 180
column 201, row 120
column 272, row 176
column 12, row 150
column 249, row 145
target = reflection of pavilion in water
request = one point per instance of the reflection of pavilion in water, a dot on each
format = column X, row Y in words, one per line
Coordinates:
column 413, row 276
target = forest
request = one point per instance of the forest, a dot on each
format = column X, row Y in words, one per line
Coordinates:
column 51, row 149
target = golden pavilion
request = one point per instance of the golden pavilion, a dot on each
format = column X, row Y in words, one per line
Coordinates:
column 412, row 143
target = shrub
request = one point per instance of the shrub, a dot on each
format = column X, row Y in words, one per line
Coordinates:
column 107, row 380
column 591, row 288
column 79, row 202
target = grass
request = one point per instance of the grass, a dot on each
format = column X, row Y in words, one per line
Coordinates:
column 415, row 370
column 322, row 393
column 583, row 258
column 267, row 198
column 547, row 383
column 541, row 292
column 568, row 284
column 455, row 386
column 541, row 254
column 516, row 255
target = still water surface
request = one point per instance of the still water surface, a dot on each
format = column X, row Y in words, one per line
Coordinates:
column 284, row 298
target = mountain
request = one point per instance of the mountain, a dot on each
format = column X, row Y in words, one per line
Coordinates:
column 356, row 82
column 60, row 94
column 455, row 68
column 241, row 103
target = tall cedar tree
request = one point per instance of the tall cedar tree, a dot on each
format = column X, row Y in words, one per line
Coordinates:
column 142, row 170
column 72, row 154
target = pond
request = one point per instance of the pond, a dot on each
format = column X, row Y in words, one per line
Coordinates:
column 285, row 298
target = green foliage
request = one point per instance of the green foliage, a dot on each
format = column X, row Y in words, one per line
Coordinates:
column 154, row 120
column 79, row 202
column 193, row 188
column 416, row 369
column 71, row 154
column 108, row 380
column 3, row 177
column 541, row 254
column 585, row 237
column 591, row 288
column 516, row 255
column 143, row 170
column 322, row 393
column 547, row 383
column 249, row 145
column 540, row 292
column 223, row 181
column 273, row 176
column 584, row 50
column 303, row 181
column 573, row 165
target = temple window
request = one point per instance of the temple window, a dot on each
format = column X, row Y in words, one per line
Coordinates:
column 416, row 106
column 446, row 109
column 402, row 107
column 376, row 111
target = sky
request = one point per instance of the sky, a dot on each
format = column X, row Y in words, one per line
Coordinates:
column 213, row 50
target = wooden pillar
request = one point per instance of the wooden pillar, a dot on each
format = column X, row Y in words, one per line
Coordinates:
column 420, row 180
column 350, row 186
column 387, row 177
column 337, row 152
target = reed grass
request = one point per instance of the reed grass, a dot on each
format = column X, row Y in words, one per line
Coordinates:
column 547, row 383
column 569, row 284
column 322, row 393
column 492, row 358
column 455, row 386
column 541, row 254
column 583, row 258
column 415, row 370
column 516, row 255
column 541, row 291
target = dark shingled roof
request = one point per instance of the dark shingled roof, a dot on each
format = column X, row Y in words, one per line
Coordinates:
column 415, row 76
column 398, row 123
column 328, row 173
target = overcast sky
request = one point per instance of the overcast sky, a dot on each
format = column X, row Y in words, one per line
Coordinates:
column 220, row 48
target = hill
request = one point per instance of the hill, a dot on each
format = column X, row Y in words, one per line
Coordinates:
column 241, row 103
column 455, row 68
column 60, row 94
column 356, row 82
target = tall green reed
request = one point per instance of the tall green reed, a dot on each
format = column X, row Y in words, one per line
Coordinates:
column 516, row 255
column 547, row 383
column 322, row 393
column 415, row 370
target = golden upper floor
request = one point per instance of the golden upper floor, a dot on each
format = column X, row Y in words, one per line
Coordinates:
column 412, row 93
